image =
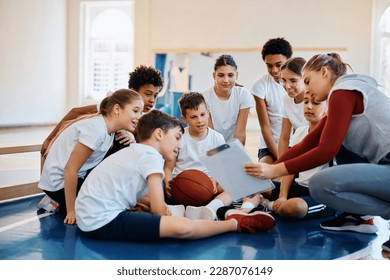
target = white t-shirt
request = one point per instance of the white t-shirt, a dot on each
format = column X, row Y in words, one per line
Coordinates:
column 116, row 184
column 191, row 149
column 224, row 113
column 304, row 177
column 92, row 132
column 272, row 92
column 293, row 112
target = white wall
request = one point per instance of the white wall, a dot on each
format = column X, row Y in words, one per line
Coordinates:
column 39, row 71
column 32, row 68
column 180, row 24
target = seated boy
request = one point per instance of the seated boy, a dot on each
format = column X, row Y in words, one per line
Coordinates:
column 197, row 139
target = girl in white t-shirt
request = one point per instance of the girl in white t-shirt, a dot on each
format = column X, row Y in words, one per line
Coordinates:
column 229, row 104
column 197, row 139
column 292, row 102
column 82, row 145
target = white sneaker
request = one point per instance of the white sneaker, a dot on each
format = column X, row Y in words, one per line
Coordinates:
column 202, row 213
column 265, row 203
column 48, row 204
column 177, row 210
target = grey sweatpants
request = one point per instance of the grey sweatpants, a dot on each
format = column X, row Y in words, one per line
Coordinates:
column 359, row 188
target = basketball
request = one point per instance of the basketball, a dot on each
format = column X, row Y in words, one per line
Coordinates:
column 192, row 187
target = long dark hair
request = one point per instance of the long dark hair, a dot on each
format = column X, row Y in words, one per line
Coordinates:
column 225, row 60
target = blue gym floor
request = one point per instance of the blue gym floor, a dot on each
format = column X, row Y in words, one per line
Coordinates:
column 28, row 234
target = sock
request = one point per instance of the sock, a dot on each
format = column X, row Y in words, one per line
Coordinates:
column 248, row 205
column 215, row 204
column 270, row 206
column 236, row 223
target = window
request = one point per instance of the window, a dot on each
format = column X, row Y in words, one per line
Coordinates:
column 384, row 51
column 107, row 45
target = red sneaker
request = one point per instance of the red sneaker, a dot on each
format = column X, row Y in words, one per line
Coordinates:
column 256, row 221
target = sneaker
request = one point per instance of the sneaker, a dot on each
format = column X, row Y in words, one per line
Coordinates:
column 351, row 222
column 386, row 246
column 177, row 210
column 256, row 221
column 265, row 203
column 48, row 204
column 236, row 211
column 201, row 212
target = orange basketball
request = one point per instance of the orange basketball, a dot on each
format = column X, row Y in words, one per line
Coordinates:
column 192, row 187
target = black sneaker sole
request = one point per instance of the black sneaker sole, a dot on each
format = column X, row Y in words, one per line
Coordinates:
column 386, row 246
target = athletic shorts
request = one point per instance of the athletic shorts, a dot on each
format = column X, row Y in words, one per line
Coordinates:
column 129, row 226
column 264, row 152
column 315, row 209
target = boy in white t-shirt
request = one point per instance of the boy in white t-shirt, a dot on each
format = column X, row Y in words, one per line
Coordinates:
column 197, row 139
column 115, row 186
column 268, row 94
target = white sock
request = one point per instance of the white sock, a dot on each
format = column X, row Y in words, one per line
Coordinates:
column 215, row 204
column 236, row 222
column 247, row 205
column 269, row 206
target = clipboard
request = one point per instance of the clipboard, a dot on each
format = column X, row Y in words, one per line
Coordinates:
column 225, row 164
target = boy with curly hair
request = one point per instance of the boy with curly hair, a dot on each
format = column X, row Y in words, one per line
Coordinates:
column 268, row 94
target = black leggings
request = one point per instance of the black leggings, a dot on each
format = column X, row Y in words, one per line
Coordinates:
column 59, row 195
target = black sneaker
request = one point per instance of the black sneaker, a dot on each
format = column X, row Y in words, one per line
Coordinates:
column 351, row 222
column 386, row 246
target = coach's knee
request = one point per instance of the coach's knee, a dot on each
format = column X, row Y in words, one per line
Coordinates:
column 317, row 186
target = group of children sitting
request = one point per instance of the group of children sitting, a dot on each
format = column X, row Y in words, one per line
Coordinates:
column 92, row 179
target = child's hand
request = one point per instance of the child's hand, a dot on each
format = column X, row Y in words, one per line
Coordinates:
column 277, row 203
column 168, row 188
column 141, row 207
column 124, row 137
column 70, row 218
column 216, row 186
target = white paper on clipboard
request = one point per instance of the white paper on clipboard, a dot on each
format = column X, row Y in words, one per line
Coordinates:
column 225, row 164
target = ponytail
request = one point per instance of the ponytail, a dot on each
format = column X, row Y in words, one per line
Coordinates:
column 332, row 61
column 122, row 97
